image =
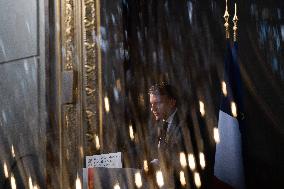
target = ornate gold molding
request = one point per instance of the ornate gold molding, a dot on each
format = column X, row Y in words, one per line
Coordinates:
column 68, row 34
column 90, row 74
column 79, row 57
column 71, row 140
column 71, row 145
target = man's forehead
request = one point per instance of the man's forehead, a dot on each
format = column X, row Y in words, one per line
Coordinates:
column 157, row 97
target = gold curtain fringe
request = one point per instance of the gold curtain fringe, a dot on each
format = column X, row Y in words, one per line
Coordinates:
column 235, row 21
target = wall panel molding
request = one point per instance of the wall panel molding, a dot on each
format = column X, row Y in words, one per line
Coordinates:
column 78, row 85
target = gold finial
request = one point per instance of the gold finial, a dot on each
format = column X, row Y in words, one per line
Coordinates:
column 226, row 17
column 235, row 20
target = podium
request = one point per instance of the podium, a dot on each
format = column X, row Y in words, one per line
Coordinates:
column 104, row 171
column 113, row 178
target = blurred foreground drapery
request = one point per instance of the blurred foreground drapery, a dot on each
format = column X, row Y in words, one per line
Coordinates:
column 183, row 42
column 142, row 42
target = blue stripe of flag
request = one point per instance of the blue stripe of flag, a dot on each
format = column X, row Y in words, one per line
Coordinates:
column 228, row 157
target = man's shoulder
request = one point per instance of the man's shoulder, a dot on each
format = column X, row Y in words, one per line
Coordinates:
column 182, row 119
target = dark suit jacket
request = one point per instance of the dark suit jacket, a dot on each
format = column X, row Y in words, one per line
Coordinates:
column 180, row 138
column 169, row 150
column 172, row 145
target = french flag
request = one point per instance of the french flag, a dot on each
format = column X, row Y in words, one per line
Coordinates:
column 229, row 168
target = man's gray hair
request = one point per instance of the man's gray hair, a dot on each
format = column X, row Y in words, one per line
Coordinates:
column 163, row 89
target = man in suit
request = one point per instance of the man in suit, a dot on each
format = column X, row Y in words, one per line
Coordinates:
column 170, row 139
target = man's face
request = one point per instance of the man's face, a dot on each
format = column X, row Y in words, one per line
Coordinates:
column 161, row 106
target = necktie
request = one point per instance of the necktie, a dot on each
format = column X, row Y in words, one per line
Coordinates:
column 163, row 134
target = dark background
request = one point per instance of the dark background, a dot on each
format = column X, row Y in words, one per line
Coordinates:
column 183, row 42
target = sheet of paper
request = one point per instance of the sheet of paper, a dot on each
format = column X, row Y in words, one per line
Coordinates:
column 89, row 162
column 111, row 160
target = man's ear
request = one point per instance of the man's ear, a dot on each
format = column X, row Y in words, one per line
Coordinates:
column 173, row 102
